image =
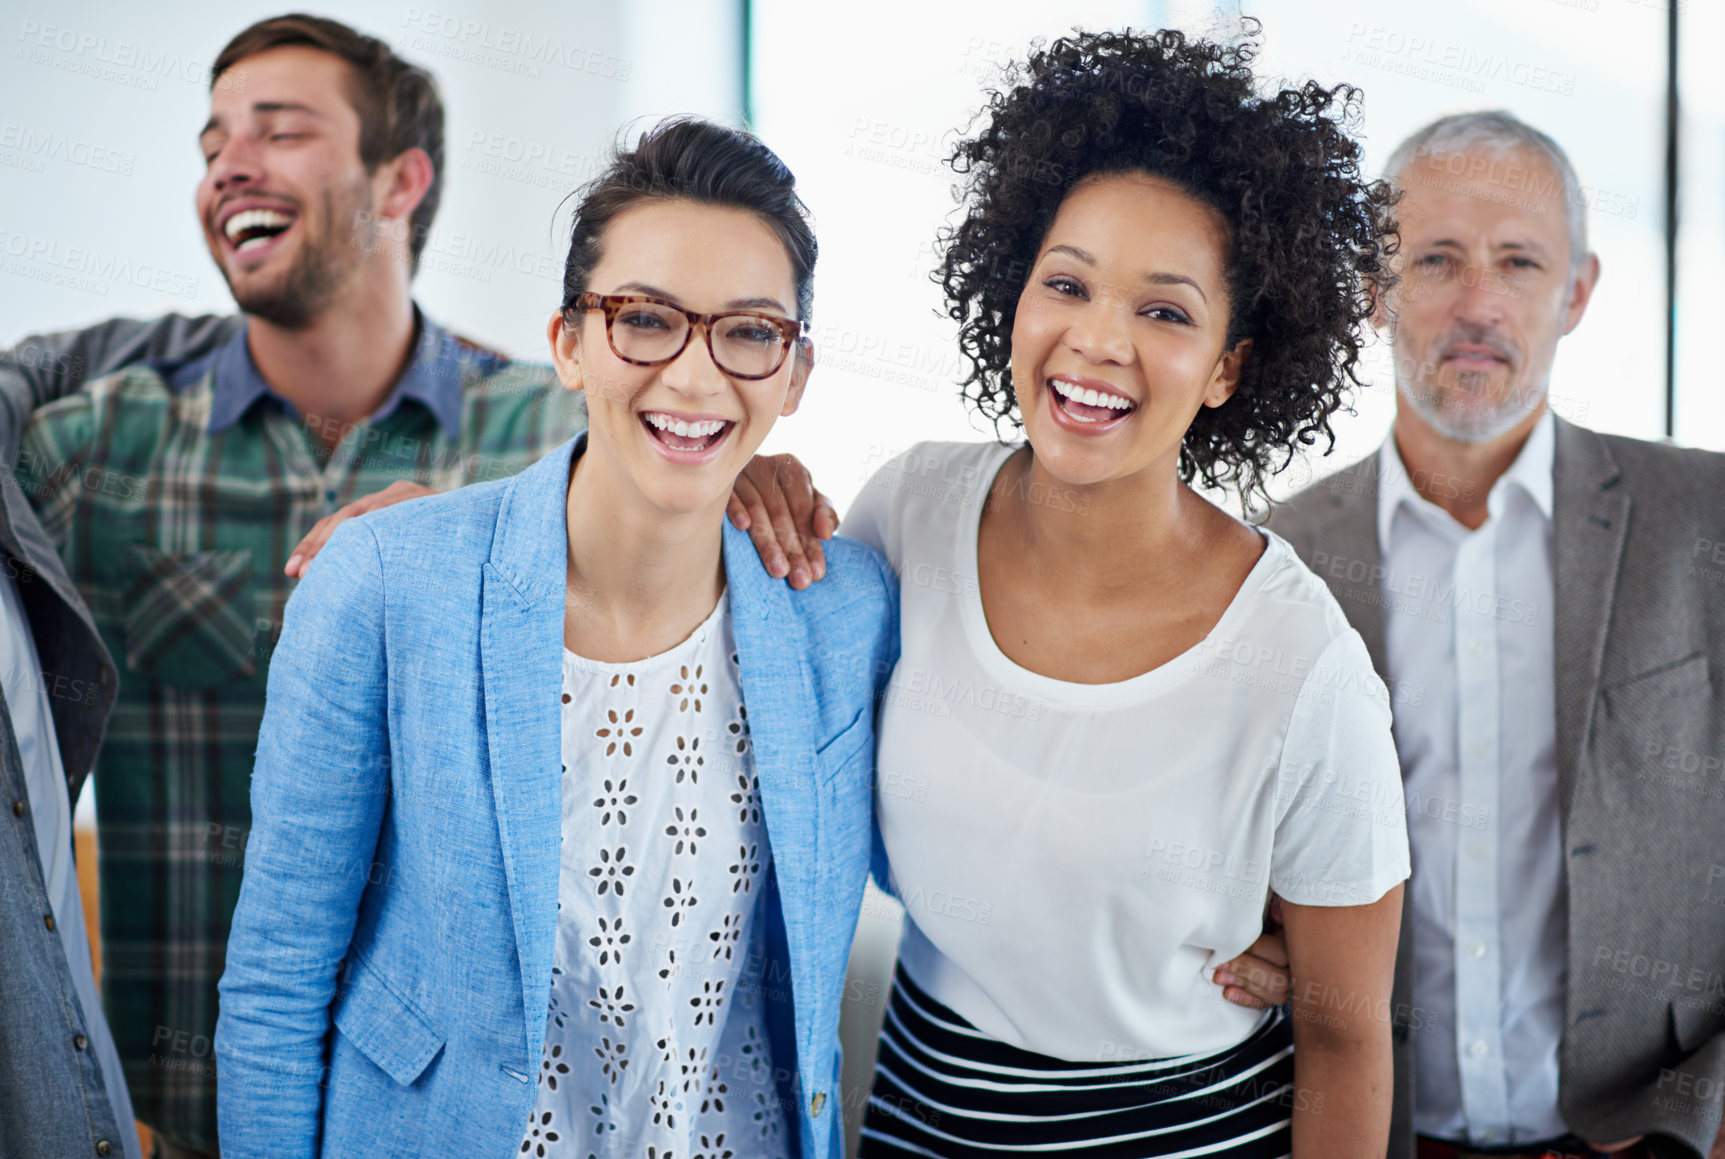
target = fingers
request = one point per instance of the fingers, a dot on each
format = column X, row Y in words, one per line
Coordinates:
column 1271, row 948
column 826, row 521
column 1244, row 998
column 306, row 549
column 297, row 556
column 1263, row 980
column 776, row 482
column 817, row 557
column 737, row 510
column 759, row 526
column 823, row 523
column 801, row 574
column 799, row 492
column 772, row 523
column 1228, row 977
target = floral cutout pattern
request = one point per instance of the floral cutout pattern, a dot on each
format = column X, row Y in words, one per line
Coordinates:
column 655, row 1034
column 614, row 798
column 689, row 688
column 686, row 829
column 687, row 760
column 541, row 1133
column 619, row 729
column 737, row 731
column 609, row 941
column 747, row 796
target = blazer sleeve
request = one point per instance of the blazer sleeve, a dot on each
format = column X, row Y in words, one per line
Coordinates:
column 319, row 789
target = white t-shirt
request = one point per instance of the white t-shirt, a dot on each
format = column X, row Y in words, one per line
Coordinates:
column 1076, row 859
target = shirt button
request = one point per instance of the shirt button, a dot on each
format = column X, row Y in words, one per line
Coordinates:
column 102, row 1148
column 331, row 494
column 1478, row 1049
column 17, row 808
column 1477, row 949
column 819, row 1101
column 79, row 1041
column 1475, row 648
column 48, row 920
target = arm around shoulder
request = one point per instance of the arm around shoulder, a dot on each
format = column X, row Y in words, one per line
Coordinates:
column 318, row 795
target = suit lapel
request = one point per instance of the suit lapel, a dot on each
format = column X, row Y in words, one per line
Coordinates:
column 521, row 663
column 1590, row 520
column 771, row 646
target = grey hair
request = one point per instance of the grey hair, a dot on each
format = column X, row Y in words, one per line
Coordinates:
column 1497, row 132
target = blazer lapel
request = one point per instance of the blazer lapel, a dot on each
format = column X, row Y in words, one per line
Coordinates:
column 771, row 645
column 521, row 654
column 1590, row 520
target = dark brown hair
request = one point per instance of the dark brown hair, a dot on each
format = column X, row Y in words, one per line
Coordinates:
column 696, row 160
column 397, row 102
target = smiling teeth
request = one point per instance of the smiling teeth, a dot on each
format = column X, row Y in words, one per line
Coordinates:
column 695, row 430
column 255, row 219
column 1089, row 397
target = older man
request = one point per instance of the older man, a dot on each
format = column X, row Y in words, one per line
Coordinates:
column 1553, row 596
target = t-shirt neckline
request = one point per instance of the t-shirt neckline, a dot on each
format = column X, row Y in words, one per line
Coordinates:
column 1165, row 675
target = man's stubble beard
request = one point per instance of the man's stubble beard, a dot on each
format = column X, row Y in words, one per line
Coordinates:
column 1460, row 414
column 325, row 262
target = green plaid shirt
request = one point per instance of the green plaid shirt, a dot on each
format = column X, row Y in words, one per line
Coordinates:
column 174, row 494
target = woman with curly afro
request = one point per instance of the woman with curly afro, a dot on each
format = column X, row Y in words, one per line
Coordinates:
column 1122, row 718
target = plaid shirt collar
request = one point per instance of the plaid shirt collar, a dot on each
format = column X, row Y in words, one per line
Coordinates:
column 432, row 378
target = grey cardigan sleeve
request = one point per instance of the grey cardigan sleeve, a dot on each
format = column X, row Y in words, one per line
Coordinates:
column 44, row 367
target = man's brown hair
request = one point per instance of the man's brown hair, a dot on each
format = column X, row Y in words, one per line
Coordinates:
column 397, row 102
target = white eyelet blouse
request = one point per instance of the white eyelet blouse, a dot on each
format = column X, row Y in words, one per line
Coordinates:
column 655, row 1043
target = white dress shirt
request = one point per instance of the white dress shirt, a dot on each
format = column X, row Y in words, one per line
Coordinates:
column 51, row 810
column 1468, row 632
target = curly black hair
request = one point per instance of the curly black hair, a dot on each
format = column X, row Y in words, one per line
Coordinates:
column 1309, row 237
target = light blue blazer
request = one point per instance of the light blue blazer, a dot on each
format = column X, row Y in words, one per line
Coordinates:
column 401, row 876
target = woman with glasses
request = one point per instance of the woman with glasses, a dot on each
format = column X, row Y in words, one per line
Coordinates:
column 1122, row 717
column 561, row 803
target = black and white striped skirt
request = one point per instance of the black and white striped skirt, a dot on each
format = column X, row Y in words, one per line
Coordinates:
column 944, row 1089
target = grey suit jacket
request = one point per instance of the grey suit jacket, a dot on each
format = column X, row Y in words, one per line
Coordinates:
column 1639, row 577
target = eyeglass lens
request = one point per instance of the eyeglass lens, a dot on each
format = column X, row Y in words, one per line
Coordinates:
column 741, row 344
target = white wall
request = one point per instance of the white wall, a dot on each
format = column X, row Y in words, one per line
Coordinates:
column 103, row 102
column 100, row 103
column 864, row 104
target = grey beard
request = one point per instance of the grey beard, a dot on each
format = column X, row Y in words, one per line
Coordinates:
column 1472, row 421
